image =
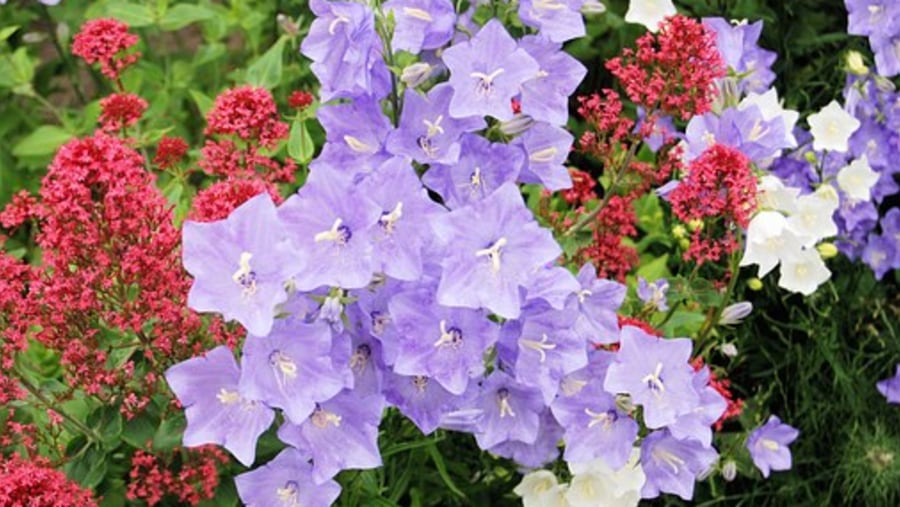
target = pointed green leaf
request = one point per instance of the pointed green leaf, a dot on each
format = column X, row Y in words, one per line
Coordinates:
column 266, row 71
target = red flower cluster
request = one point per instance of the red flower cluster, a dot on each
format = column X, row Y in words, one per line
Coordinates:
column 169, row 152
column 612, row 257
column 582, row 189
column 26, row 483
column 720, row 192
column 101, row 40
column 222, row 197
column 300, row 99
column 121, row 110
column 22, row 207
column 194, row 482
column 673, row 70
column 248, row 113
column 110, row 274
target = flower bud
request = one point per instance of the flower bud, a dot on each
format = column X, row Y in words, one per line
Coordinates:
column 592, row 7
column 733, row 314
column 679, row 231
column 416, row 74
column 695, row 224
column 729, row 470
column 856, row 64
column 754, row 284
column 729, row 349
column 827, row 250
column 520, row 123
column 684, row 243
column 810, row 157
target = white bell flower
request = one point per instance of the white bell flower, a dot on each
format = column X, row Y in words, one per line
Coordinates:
column 804, row 273
column 649, row 13
column 857, row 179
column 832, row 127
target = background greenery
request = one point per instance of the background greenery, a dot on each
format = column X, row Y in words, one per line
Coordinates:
column 813, row 361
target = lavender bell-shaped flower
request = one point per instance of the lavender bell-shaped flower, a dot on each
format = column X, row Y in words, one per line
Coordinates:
column 286, row 481
column 239, row 264
column 485, row 266
column 440, row 342
column 768, row 445
column 546, row 148
column 427, row 133
column 291, row 369
column 419, row 398
column 598, row 300
column 509, row 411
column 421, row 24
column 594, row 425
column 657, row 375
column 331, row 224
column 672, row 465
column 216, row 412
column 482, row 168
column 486, row 72
column 557, row 20
column 890, row 387
column 341, row 433
column 546, row 92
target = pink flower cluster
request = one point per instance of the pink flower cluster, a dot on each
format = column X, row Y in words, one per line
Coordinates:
column 104, row 41
column 25, row 483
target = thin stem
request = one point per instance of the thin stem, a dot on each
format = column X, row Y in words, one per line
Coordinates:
column 31, row 388
column 50, row 107
column 732, row 283
column 689, row 282
column 616, row 178
column 389, row 58
column 73, row 71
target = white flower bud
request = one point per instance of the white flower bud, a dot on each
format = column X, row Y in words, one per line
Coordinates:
column 416, row 74
column 592, row 7
column 729, row 349
column 729, row 470
column 733, row 314
column 520, row 123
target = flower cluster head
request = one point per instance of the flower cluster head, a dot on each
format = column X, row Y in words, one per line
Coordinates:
column 169, row 152
column 105, row 41
column 249, row 113
column 719, row 187
column 673, row 70
column 36, row 483
column 879, row 21
column 120, row 111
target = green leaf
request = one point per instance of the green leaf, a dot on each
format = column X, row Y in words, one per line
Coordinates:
column 43, row 141
column 7, row 32
column 300, row 144
column 204, row 103
column 183, row 15
column 267, row 69
column 442, row 471
column 684, row 323
column 169, row 433
column 654, row 269
column 133, row 14
column 140, row 430
column 88, row 467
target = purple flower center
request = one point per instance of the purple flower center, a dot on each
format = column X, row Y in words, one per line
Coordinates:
column 360, row 357
column 285, row 368
column 322, row 418
column 606, row 418
column 245, row 276
column 503, row 403
column 379, row 322
column 289, row 495
column 450, row 337
column 654, row 381
column 484, row 83
column 420, row 383
column 389, row 218
column 339, row 233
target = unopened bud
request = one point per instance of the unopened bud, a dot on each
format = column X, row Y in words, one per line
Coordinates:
column 63, row 31
column 810, row 157
column 729, row 470
column 684, row 243
column 729, row 349
column 287, row 24
column 416, row 74
column 856, row 64
column 34, row 37
column 754, row 284
column 592, row 7
column 733, row 314
column 679, row 231
column 827, row 250
column 695, row 224
column 520, row 123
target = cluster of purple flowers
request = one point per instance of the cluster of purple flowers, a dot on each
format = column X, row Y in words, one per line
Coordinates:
column 879, row 20
column 361, row 291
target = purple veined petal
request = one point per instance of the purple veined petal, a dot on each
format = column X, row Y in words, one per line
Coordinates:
column 672, row 465
column 598, row 301
column 486, row 73
column 657, row 375
column 419, row 398
column 547, row 148
column 890, row 387
column 483, row 167
column 330, row 225
column 538, row 453
column 768, row 445
column 510, row 411
column 558, row 20
column 697, row 424
column 421, row 24
column 341, row 434
column 291, row 369
column 545, row 94
column 239, row 264
column 552, row 284
column 285, row 481
column 485, row 266
column 216, row 412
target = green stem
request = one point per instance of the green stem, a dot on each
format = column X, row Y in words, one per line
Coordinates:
column 49, row 106
column 732, row 283
column 689, row 282
column 389, row 59
column 585, row 220
column 90, row 434
column 64, row 56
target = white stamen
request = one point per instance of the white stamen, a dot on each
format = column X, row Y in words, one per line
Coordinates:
column 599, row 418
column 654, row 379
column 357, row 145
column 434, row 128
column 448, row 337
column 332, row 27
column 539, row 346
column 321, row 418
column 543, row 156
column 388, row 220
column 668, row 458
column 227, row 397
column 493, row 253
column 333, row 234
column 417, row 13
